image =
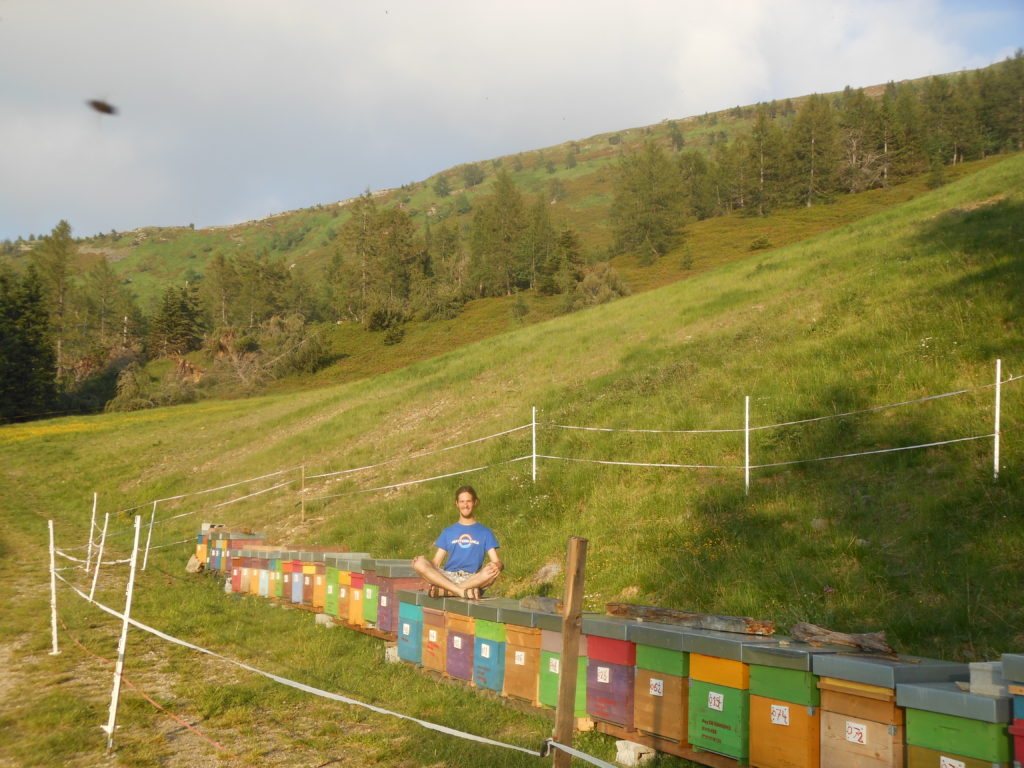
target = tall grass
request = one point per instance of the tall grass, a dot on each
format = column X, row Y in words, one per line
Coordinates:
column 914, row 301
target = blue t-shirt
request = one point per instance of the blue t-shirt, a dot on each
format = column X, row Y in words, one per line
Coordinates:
column 466, row 546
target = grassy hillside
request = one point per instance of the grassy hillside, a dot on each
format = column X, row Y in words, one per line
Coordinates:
column 914, row 301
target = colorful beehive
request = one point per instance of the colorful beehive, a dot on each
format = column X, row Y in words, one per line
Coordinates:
column 410, row 627
column 611, row 670
column 319, row 585
column 489, row 654
column 522, row 654
column 459, row 646
column 719, row 702
column 236, row 570
column 550, row 626
column 308, row 559
column 262, row 572
column 344, row 587
column 394, row 576
column 957, row 725
column 435, row 637
column 785, row 718
column 355, row 597
column 371, row 591
column 331, row 586
column 297, row 580
column 661, row 686
column 1013, row 673
column 861, row 725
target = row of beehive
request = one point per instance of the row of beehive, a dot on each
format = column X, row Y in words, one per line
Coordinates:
column 350, row 586
column 762, row 701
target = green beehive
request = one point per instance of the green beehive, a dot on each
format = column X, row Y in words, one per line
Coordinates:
column 489, row 630
column 550, row 669
column 659, row 648
column 331, row 591
column 719, row 720
column 942, row 717
column 792, row 685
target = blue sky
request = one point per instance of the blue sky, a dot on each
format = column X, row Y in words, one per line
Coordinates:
column 236, row 109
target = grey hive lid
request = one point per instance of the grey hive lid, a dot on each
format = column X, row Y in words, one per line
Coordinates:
column 607, row 626
column 885, row 671
column 398, row 570
column 948, row 699
column 668, row 636
column 517, row 615
column 787, row 654
column 723, row 645
column 457, row 605
column 489, row 608
column 1013, row 667
column 412, row 597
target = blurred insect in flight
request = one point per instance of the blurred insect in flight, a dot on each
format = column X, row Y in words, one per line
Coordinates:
column 103, row 107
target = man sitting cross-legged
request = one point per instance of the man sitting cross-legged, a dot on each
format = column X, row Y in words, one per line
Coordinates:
column 464, row 545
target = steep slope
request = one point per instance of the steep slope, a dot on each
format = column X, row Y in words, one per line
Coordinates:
column 908, row 304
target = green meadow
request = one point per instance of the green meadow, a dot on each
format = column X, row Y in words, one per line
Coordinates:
column 917, row 298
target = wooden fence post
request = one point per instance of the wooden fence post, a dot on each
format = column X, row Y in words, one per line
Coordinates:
column 572, row 612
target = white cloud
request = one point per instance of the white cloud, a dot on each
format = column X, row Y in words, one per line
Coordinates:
column 232, row 106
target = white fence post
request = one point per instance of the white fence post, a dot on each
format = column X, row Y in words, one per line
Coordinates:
column 115, row 694
column 149, row 536
column 746, row 445
column 99, row 556
column 92, row 530
column 534, row 444
column 53, row 594
column 999, row 393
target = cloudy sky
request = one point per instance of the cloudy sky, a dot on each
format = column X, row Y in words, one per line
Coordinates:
column 231, row 110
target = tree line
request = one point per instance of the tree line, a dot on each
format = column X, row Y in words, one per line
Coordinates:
column 805, row 156
column 76, row 339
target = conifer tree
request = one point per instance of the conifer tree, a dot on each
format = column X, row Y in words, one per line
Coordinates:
column 54, row 260
column 766, row 161
column 498, row 227
column 815, row 150
column 27, row 357
column 648, row 203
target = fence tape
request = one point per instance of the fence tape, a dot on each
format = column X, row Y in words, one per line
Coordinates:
column 302, row 686
column 783, row 423
column 642, row 464
column 551, row 743
column 183, row 541
column 869, row 453
column 209, row 490
column 417, row 482
column 419, row 455
column 67, row 556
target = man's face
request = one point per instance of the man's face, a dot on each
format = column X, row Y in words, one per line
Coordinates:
column 466, row 504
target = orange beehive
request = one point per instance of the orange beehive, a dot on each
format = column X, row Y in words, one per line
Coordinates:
column 660, row 704
column 727, row 672
column 435, row 639
column 784, row 734
column 522, row 663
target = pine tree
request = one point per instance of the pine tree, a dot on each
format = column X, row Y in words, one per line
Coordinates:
column 538, row 240
column 815, row 147
column 648, row 204
column 498, row 227
column 54, row 259
column 861, row 129
column 766, row 161
column 27, row 357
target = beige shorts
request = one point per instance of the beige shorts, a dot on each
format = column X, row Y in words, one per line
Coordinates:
column 457, row 577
